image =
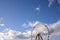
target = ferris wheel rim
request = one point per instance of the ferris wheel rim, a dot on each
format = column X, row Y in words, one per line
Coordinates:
column 34, row 28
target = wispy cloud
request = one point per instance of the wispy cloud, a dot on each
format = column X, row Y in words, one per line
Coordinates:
column 30, row 24
column 38, row 8
column 50, row 3
column 1, row 25
column 1, row 22
column 1, row 19
column 24, row 24
column 58, row 2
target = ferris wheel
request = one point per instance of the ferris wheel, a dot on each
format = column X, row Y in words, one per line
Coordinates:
column 40, row 31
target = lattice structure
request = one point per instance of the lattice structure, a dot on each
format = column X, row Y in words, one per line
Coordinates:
column 41, row 32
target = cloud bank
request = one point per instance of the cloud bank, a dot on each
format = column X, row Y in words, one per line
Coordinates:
column 9, row 34
column 55, row 29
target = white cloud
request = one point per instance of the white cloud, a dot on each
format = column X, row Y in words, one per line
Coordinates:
column 9, row 34
column 24, row 24
column 55, row 34
column 37, row 9
column 55, row 29
column 55, row 26
column 32, row 24
column 27, row 34
column 52, row 27
column 1, row 20
column 2, row 25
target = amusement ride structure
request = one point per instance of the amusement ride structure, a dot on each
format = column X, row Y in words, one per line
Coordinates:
column 40, row 31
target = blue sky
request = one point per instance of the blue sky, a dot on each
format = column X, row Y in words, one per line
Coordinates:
column 17, row 12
